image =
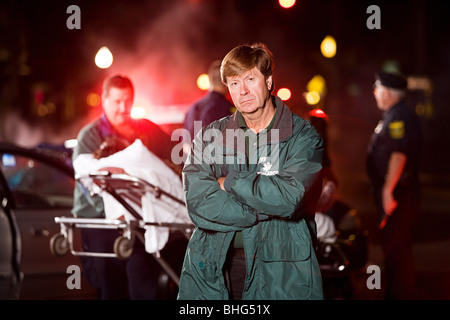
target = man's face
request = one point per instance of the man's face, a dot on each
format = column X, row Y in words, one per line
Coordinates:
column 380, row 93
column 250, row 90
column 117, row 105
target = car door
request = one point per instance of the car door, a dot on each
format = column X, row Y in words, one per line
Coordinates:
column 10, row 276
column 39, row 191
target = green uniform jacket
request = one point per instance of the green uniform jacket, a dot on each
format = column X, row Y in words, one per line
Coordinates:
column 277, row 180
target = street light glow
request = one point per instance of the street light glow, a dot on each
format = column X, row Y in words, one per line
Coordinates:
column 286, row 3
column 317, row 83
column 284, row 94
column 137, row 112
column 103, row 58
column 312, row 97
column 203, row 81
column 93, row 99
column 328, row 47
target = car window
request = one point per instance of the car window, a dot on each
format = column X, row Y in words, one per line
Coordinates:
column 34, row 183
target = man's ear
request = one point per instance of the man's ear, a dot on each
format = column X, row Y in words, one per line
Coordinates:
column 269, row 82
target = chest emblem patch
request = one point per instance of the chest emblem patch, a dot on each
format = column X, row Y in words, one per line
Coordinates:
column 266, row 167
column 397, row 129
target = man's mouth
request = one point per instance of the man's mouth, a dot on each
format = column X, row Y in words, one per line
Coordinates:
column 246, row 101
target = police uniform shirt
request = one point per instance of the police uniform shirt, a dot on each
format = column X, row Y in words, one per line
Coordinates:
column 398, row 131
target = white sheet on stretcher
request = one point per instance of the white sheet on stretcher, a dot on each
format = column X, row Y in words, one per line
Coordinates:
column 138, row 161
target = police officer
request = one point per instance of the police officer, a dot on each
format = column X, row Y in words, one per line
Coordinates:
column 393, row 165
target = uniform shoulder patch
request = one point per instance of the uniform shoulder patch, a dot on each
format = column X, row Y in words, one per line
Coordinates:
column 397, row 129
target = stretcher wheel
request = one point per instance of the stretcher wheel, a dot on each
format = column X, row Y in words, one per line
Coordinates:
column 59, row 245
column 123, row 247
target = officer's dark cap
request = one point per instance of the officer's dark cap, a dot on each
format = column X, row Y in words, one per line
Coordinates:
column 392, row 80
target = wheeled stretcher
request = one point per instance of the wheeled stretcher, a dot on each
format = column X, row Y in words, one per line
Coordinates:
column 133, row 194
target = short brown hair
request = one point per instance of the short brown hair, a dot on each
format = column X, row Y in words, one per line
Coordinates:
column 246, row 57
column 117, row 81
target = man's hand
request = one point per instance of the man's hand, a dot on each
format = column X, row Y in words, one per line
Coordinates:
column 114, row 170
column 221, row 180
column 389, row 203
column 260, row 216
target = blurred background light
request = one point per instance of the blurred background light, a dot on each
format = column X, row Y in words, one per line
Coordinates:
column 284, row 94
column 70, row 143
column 137, row 112
column 286, row 3
column 203, row 81
column 312, row 97
column 103, row 58
column 318, row 113
column 93, row 99
column 317, row 83
column 328, row 47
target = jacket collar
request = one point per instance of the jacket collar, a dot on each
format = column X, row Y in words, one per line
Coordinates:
column 283, row 120
column 282, row 123
column 105, row 128
column 396, row 106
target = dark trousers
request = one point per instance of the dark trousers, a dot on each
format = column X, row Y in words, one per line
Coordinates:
column 396, row 241
column 135, row 278
column 235, row 272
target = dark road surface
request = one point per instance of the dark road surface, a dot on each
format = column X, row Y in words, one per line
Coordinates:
column 431, row 246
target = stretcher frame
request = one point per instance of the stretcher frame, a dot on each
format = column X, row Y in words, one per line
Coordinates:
column 122, row 187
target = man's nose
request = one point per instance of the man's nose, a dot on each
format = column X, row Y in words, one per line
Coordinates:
column 123, row 105
column 244, row 89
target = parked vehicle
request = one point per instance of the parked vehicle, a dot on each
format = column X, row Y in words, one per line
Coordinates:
column 36, row 185
column 10, row 275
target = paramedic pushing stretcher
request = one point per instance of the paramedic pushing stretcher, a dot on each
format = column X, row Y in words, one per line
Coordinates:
column 249, row 182
column 135, row 278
